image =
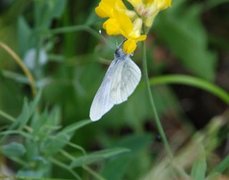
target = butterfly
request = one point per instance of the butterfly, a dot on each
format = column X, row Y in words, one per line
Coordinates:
column 120, row 81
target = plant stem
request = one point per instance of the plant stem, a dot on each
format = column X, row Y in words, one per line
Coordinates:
column 18, row 60
column 64, row 166
column 12, row 119
column 194, row 82
column 71, row 29
column 157, row 119
column 93, row 173
column 7, row 116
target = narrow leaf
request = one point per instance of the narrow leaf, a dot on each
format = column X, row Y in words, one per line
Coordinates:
column 192, row 81
column 54, row 143
column 199, row 169
column 13, row 150
column 73, row 127
column 98, row 156
column 224, row 165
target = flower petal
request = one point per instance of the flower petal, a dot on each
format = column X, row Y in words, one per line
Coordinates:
column 112, row 27
column 125, row 23
column 104, row 9
column 135, row 3
column 148, row 2
column 137, row 27
column 119, row 5
column 163, row 4
column 141, row 38
column 129, row 46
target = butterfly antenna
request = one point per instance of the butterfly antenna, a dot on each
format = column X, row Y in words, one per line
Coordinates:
column 120, row 45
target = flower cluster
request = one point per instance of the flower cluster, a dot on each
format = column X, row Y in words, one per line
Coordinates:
column 129, row 23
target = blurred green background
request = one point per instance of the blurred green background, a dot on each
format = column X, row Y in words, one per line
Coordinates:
column 60, row 43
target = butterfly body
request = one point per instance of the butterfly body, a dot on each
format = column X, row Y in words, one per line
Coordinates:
column 120, row 80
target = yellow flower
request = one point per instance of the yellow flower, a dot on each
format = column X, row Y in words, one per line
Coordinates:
column 121, row 22
column 148, row 9
column 106, row 8
column 130, row 45
column 133, row 36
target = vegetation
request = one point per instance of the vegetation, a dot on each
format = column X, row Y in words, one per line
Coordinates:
column 53, row 56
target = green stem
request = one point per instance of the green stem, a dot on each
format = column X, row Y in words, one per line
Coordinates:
column 64, row 166
column 12, row 119
column 7, row 116
column 192, row 81
column 71, row 29
column 20, row 63
column 77, row 147
column 15, row 132
column 87, row 168
column 157, row 119
column 93, row 173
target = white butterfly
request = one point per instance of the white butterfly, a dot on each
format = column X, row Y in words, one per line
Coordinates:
column 120, row 81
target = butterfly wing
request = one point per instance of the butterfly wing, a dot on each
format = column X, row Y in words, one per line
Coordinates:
column 125, row 82
column 121, row 79
column 102, row 102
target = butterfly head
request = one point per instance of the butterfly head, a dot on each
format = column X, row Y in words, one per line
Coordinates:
column 119, row 53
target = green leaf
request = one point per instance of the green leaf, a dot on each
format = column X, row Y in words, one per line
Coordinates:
column 32, row 148
column 75, row 126
column 137, row 144
column 27, row 112
column 192, row 81
column 40, row 125
column 24, row 174
column 213, row 176
column 58, row 7
column 181, row 29
column 53, row 118
column 24, row 35
column 54, row 143
column 13, row 150
column 46, row 11
column 199, row 169
column 97, row 156
column 222, row 166
column 45, row 123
